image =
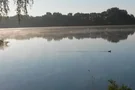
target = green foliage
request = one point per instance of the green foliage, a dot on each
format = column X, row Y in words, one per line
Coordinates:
column 114, row 86
column 4, row 7
column 112, row 16
column 21, row 7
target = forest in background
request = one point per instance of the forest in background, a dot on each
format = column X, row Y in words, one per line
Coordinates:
column 112, row 16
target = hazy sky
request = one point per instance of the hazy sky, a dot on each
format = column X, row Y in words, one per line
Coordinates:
column 40, row 7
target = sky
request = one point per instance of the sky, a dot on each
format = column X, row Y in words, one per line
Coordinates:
column 40, row 7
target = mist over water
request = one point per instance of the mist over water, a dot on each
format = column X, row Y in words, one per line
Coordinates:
column 66, row 58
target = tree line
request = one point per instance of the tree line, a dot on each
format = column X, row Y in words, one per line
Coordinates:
column 112, row 16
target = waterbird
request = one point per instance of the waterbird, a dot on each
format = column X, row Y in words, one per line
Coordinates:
column 109, row 51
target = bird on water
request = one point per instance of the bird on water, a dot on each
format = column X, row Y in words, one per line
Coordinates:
column 109, row 51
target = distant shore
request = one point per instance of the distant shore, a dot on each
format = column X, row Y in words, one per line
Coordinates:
column 112, row 16
column 91, row 26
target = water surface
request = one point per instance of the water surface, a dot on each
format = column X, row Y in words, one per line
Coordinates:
column 67, row 58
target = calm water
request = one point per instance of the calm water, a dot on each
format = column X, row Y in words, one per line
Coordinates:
column 59, row 58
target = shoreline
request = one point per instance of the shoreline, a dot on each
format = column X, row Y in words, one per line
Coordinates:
column 71, row 26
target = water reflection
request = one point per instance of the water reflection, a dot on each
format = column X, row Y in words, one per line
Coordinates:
column 36, row 63
column 110, row 34
column 3, row 44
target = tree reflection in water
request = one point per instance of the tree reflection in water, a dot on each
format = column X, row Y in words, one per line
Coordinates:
column 111, row 34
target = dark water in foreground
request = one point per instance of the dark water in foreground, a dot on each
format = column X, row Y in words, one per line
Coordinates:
column 40, row 61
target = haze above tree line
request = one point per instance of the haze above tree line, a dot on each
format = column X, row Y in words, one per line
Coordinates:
column 112, row 16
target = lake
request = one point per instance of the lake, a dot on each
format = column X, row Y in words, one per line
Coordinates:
column 67, row 58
